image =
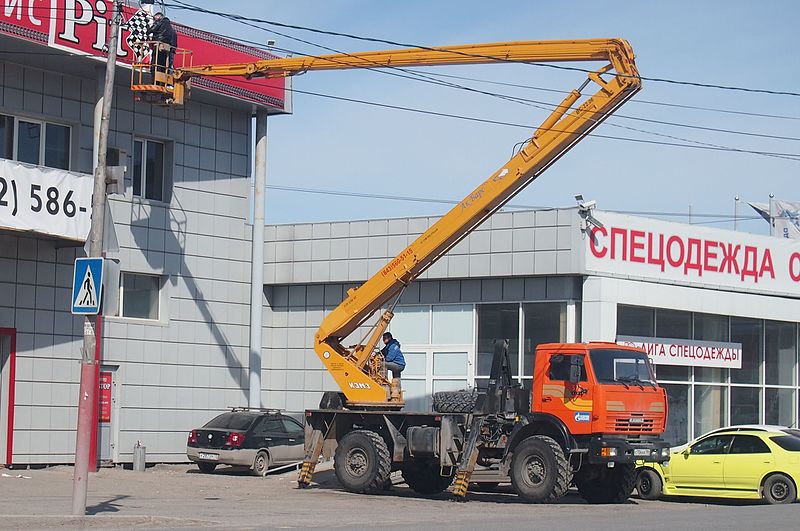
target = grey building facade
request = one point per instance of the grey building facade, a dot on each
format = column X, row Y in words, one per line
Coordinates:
column 177, row 350
column 551, row 276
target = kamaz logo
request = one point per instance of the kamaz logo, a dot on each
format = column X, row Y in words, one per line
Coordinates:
column 357, row 385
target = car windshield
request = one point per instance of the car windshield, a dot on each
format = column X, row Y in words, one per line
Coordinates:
column 788, row 442
column 792, row 431
column 231, row 421
column 621, row 366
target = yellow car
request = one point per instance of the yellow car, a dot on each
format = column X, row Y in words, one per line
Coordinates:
column 742, row 464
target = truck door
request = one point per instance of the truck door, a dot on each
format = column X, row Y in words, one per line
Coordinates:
column 571, row 402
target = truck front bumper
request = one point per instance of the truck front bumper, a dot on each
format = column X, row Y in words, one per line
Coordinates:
column 605, row 449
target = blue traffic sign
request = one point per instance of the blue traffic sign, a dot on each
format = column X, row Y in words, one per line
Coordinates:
column 87, row 286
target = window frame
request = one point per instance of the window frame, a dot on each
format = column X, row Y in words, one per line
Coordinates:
column 706, row 439
column 142, row 177
column 745, row 436
column 159, row 295
column 42, row 123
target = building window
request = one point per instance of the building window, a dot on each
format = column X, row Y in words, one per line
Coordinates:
column 635, row 321
column 677, row 431
column 148, row 169
column 497, row 321
column 56, row 146
column 452, row 324
column 780, row 353
column 139, row 296
column 545, row 322
column 749, row 333
column 35, row 142
column 6, row 137
column 745, row 405
column 708, row 327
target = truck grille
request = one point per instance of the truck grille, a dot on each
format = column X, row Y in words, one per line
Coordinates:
column 633, row 423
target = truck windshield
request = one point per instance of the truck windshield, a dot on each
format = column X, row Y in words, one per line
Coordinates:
column 621, row 366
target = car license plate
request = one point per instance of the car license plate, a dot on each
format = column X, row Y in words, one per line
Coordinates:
column 641, row 452
column 210, row 457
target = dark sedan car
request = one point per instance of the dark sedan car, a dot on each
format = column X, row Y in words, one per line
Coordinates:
column 255, row 439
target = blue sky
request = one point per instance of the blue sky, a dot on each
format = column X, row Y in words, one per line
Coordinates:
column 332, row 145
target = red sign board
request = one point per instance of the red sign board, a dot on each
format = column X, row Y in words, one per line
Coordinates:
column 104, row 388
column 83, row 25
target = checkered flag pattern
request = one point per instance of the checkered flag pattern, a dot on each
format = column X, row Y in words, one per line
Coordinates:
column 138, row 25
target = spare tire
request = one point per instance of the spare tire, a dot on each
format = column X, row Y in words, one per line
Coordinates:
column 455, row 401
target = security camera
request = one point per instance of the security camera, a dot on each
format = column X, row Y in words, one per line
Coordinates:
column 583, row 204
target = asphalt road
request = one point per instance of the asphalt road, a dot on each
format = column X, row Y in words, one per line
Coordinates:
column 177, row 496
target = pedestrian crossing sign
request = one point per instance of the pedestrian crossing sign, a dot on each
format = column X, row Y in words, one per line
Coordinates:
column 87, row 286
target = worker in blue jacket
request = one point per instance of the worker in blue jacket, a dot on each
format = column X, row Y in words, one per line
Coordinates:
column 392, row 355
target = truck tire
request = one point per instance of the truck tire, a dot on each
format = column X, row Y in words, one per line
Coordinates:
column 600, row 484
column 454, row 401
column 362, row 462
column 424, row 476
column 648, row 484
column 540, row 472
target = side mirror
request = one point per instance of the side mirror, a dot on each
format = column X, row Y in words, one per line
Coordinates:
column 687, row 452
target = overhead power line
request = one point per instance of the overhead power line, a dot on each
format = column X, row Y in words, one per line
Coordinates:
column 787, row 156
column 190, row 7
column 715, row 218
column 533, row 103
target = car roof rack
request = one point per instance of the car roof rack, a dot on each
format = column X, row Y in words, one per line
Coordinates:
column 261, row 409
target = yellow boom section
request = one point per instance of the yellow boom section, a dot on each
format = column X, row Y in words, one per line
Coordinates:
column 357, row 374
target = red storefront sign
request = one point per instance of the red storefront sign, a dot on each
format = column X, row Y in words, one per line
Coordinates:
column 82, row 26
column 104, row 388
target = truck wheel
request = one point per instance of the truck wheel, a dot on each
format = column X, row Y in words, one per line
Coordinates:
column 423, row 476
column 778, row 489
column 648, row 484
column 600, row 484
column 454, row 401
column 540, row 473
column 362, row 462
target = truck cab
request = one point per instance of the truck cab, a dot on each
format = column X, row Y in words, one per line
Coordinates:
column 599, row 388
column 605, row 394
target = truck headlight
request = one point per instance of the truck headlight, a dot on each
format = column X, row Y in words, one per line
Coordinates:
column 608, row 452
column 665, row 452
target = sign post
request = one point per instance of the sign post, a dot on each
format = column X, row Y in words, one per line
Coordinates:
column 87, row 286
column 88, row 385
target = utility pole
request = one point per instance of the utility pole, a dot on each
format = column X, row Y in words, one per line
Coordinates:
column 88, row 385
column 257, row 262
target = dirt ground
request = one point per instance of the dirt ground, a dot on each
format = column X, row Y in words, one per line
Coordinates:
column 178, row 496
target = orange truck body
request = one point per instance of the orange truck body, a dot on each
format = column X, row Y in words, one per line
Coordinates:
column 593, row 406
